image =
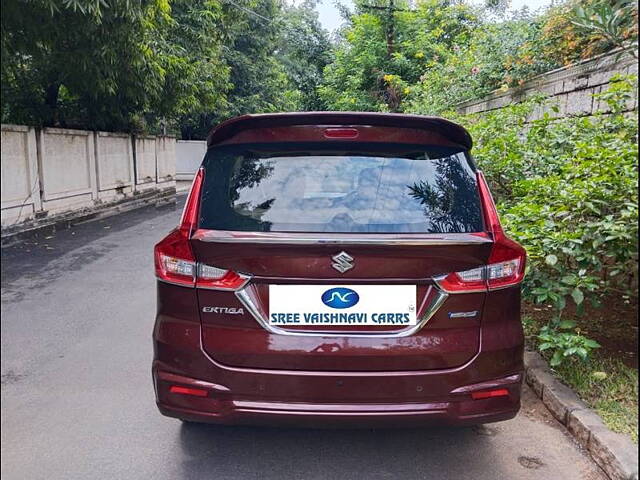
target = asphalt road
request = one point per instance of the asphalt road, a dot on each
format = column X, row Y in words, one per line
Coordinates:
column 77, row 397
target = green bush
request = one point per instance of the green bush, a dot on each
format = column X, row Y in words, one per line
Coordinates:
column 567, row 190
column 559, row 338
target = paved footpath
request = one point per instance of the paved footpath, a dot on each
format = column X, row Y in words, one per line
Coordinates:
column 77, row 398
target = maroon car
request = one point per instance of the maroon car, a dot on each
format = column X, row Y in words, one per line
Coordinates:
column 339, row 269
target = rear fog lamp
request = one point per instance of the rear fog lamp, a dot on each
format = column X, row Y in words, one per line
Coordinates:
column 501, row 392
column 194, row 392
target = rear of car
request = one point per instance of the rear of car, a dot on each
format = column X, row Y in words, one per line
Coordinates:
column 339, row 269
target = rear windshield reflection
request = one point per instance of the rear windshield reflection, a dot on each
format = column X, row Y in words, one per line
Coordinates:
column 427, row 191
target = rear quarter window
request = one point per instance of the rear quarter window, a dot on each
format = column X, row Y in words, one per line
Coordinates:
column 327, row 189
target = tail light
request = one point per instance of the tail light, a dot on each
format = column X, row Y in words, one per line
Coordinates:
column 174, row 260
column 506, row 263
column 218, row 278
column 508, row 259
column 189, row 219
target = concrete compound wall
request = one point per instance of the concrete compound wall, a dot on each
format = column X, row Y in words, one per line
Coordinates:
column 189, row 155
column 52, row 171
column 571, row 88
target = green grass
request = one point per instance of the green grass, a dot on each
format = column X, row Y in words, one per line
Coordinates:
column 614, row 397
column 604, row 382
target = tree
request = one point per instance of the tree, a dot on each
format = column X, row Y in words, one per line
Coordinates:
column 196, row 76
column 77, row 63
column 111, row 65
column 260, row 83
column 388, row 47
column 304, row 50
column 258, row 80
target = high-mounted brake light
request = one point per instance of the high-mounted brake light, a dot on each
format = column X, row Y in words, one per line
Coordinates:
column 341, row 132
column 174, row 259
column 506, row 263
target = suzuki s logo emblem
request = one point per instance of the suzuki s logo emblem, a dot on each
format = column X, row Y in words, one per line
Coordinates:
column 342, row 262
column 340, row 297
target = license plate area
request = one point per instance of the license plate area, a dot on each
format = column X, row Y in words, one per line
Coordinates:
column 343, row 306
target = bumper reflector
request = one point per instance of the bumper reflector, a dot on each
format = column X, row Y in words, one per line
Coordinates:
column 502, row 392
column 196, row 392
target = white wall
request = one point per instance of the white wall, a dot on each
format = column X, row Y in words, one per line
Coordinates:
column 66, row 161
column 114, row 164
column 19, row 172
column 189, row 155
column 145, row 148
column 54, row 170
column 165, row 159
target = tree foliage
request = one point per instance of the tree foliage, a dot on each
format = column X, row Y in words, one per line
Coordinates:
column 79, row 62
column 428, row 56
column 386, row 50
column 157, row 65
column 610, row 22
column 304, row 50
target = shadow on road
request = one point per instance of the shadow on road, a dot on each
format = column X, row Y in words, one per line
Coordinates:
column 246, row 452
column 35, row 258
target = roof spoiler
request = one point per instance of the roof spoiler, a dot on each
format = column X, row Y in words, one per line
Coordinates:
column 454, row 132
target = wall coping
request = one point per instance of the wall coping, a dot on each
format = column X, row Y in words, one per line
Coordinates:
column 583, row 67
column 66, row 131
column 8, row 127
column 112, row 134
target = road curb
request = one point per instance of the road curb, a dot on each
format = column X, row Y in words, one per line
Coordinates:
column 615, row 453
column 12, row 235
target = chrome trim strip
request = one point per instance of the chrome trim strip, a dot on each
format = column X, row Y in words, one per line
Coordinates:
column 463, row 314
column 217, row 236
column 248, row 298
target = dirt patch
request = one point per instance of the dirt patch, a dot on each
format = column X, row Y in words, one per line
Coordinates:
column 11, row 377
column 614, row 325
column 532, row 463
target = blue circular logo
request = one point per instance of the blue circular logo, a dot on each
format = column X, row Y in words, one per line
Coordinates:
column 340, row 297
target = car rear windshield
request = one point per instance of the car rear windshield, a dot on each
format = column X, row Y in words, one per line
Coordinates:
column 328, row 188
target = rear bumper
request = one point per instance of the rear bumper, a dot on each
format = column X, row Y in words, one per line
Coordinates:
column 340, row 399
column 223, row 409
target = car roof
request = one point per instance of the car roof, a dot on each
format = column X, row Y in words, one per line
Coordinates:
column 454, row 132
